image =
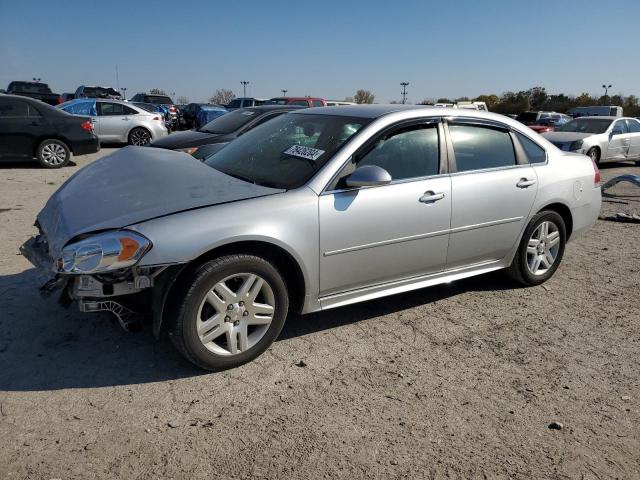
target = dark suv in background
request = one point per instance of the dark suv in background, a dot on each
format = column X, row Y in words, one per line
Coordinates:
column 37, row 90
column 158, row 99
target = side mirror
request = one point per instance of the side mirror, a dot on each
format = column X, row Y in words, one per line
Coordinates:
column 368, row 176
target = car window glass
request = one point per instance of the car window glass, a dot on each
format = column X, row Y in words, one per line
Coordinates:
column 129, row 110
column 478, row 147
column 535, row 153
column 33, row 111
column 620, row 127
column 108, row 109
column 634, row 126
column 235, row 104
column 317, row 103
column 407, row 153
column 10, row 107
column 304, row 103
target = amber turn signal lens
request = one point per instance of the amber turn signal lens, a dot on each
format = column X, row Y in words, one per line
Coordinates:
column 129, row 247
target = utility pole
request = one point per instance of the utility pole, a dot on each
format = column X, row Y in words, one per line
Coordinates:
column 404, row 91
column 606, row 90
column 244, row 87
column 117, row 79
column 284, row 92
column 124, row 92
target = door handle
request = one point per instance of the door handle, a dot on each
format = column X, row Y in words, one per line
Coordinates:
column 430, row 197
column 524, row 183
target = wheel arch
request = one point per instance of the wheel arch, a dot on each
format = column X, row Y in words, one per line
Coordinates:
column 176, row 285
column 42, row 138
column 564, row 211
column 143, row 128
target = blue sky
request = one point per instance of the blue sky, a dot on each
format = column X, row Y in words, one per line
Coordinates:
column 329, row 48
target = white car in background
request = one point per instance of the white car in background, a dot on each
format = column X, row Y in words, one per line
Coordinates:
column 604, row 139
column 116, row 121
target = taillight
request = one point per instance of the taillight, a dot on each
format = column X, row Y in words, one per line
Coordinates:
column 172, row 108
column 88, row 126
column 596, row 177
column 59, row 99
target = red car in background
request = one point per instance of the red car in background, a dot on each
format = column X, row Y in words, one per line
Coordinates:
column 549, row 124
column 304, row 101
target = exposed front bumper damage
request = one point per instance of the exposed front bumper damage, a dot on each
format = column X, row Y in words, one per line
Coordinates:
column 120, row 292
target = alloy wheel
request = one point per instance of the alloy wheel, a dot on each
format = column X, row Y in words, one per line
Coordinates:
column 543, row 248
column 140, row 137
column 235, row 314
column 53, row 154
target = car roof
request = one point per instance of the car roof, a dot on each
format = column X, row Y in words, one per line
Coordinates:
column 296, row 98
column 601, row 117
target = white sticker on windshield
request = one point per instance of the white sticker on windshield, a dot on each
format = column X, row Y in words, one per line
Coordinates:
column 304, row 152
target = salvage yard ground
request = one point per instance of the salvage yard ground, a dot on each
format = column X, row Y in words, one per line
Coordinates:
column 455, row 381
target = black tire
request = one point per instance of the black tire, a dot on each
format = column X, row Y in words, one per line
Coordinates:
column 594, row 154
column 139, row 136
column 184, row 334
column 519, row 269
column 53, row 154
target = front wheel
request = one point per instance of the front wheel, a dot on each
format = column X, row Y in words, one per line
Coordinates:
column 139, row 136
column 541, row 249
column 233, row 310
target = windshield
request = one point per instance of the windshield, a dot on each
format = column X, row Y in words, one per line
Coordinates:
column 287, row 151
column 230, row 122
column 586, row 125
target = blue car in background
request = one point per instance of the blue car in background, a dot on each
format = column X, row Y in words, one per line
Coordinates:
column 206, row 113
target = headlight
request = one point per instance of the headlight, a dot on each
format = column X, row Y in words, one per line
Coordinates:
column 190, row 150
column 103, row 252
column 577, row 145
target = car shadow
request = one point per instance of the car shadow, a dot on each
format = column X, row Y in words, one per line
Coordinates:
column 45, row 346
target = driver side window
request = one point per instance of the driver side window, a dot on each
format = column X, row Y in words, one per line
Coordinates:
column 620, row 127
column 409, row 152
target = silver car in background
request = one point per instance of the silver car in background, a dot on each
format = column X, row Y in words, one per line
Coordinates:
column 117, row 121
column 604, row 139
column 312, row 210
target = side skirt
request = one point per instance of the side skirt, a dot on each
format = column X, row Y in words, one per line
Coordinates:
column 408, row 284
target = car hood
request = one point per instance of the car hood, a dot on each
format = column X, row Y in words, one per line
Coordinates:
column 133, row 185
column 186, row 139
column 564, row 137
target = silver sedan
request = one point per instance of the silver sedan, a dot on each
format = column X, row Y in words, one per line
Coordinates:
column 604, row 139
column 310, row 211
column 119, row 121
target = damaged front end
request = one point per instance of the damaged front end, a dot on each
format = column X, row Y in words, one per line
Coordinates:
column 99, row 272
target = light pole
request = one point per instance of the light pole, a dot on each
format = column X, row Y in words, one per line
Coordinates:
column 244, row 87
column 124, row 92
column 606, row 90
column 36, row 79
column 404, row 91
column 284, row 92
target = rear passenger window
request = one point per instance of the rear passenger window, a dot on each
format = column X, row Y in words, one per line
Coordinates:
column 477, row 147
column 411, row 152
column 10, row 107
column 317, row 103
column 535, row 153
column 634, row 126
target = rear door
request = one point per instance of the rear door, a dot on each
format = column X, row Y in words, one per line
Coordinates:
column 19, row 128
column 113, row 123
column 492, row 191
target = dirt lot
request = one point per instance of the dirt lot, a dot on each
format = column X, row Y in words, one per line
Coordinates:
column 457, row 381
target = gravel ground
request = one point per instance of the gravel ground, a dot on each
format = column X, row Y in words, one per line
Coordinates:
column 455, row 381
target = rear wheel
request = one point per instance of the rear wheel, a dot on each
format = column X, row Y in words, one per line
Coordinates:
column 234, row 309
column 594, row 154
column 53, row 154
column 541, row 249
column 139, row 136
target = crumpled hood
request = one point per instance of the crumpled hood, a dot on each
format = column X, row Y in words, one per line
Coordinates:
column 188, row 138
column 133, row 185
column 564, row 137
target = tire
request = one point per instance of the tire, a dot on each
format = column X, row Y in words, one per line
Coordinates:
column 213, row 329
column 594, row 154
column 53, row 154
column 525, row 260
column 139, row 136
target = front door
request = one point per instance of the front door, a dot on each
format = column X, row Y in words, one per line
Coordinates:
column 619, row 141
column 373, row 235
column 492, row 194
